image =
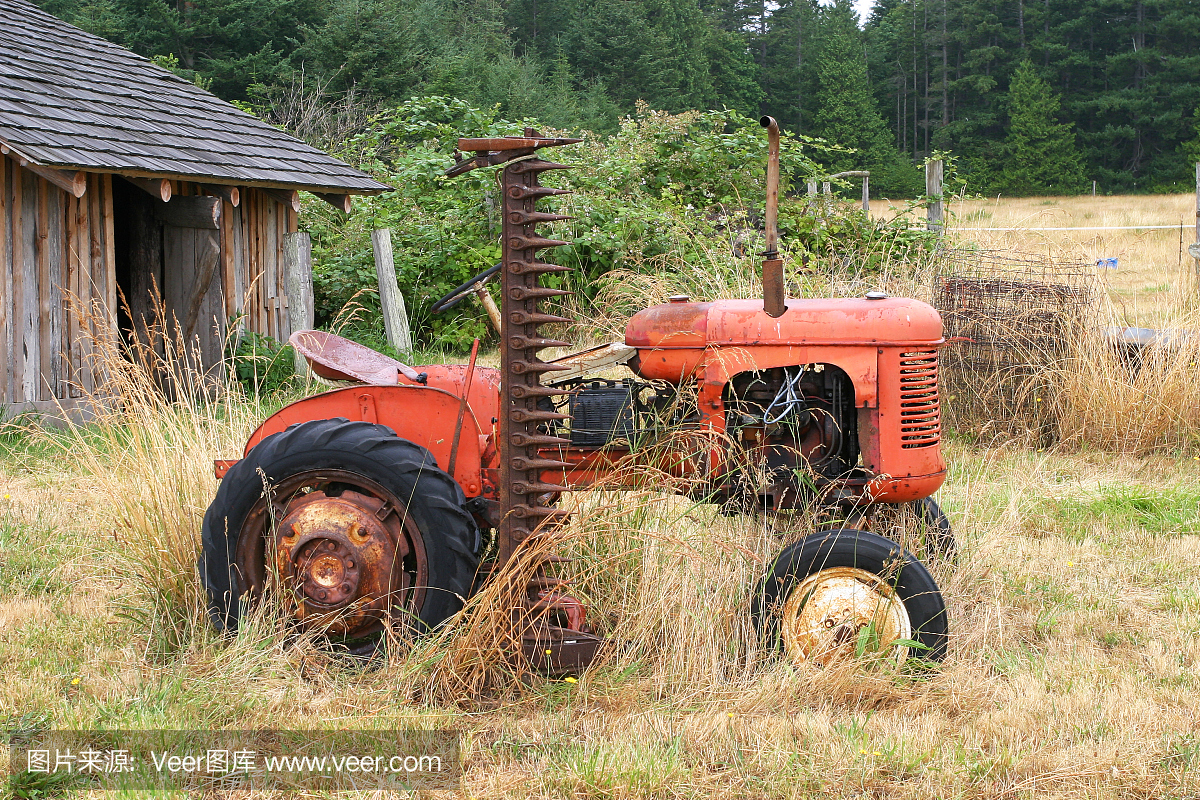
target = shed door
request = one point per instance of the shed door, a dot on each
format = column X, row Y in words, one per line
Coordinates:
column 192, row 275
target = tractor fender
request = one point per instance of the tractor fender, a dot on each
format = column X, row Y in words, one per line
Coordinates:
column 424, row 415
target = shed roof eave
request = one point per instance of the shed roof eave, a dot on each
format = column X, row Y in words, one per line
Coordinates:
column 221, row 180
column 362, row 188
column 315, row 188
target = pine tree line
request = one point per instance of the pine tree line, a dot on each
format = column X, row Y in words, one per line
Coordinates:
column 947, row 76
column 1032, row 95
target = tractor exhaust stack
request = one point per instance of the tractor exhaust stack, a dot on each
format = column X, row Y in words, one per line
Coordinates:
column 774, row 294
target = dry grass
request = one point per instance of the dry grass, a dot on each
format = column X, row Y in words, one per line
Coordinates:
column 1136, row 406
column 1074, row 669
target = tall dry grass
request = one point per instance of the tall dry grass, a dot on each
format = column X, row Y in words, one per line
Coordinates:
column 1131, row 404
column 668, row 582
column 1072, row 671
column 146, row 440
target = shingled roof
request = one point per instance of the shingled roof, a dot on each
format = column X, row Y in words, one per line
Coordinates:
column 69, row 99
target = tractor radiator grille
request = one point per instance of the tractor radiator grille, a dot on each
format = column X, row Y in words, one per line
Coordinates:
column 920, row 417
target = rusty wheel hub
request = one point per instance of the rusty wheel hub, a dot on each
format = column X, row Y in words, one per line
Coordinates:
column 827, row 613
column 327, row 571
column 340, row 561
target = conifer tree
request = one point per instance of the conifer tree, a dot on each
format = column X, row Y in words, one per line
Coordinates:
column 1191, row 149
column 846, row 112
column 1040, row 152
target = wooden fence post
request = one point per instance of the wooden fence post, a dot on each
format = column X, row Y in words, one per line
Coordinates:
column 812, row 187
column 867, row 192
column 395, row 316
column 933, row 189
column 297, row 276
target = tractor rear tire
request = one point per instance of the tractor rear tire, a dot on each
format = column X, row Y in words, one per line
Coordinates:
column 370, row 466
column 854, row 557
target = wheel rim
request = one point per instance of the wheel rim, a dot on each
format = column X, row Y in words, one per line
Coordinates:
column 342, row 552
column 826, row 614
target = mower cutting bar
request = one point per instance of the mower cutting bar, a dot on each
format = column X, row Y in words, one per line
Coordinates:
column 521, row 370
column 550, row 625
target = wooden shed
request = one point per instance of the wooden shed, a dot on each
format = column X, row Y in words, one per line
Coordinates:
column 117, row 176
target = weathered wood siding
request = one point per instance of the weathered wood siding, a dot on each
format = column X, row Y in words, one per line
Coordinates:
column 53, row 248
column 58, row 284
column 259, row 224
column 249, row 287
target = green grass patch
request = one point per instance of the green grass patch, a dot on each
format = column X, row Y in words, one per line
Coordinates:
column 1161, row 511
column 29, row 555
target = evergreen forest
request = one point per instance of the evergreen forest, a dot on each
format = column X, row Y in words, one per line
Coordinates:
column 1032, row 96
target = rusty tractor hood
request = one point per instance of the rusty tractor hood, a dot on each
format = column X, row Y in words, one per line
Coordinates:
column 821, row 321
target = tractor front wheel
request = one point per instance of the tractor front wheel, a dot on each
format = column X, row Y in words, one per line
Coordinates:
column 846, row 592
column 920, row 526
column 354, row 529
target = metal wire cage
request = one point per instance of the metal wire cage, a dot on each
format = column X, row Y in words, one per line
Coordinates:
column 1010, row 321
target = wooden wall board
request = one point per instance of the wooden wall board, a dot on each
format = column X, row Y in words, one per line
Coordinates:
column 256, row 265
column 97, row 290
column 211, row 322
column 179, row 245
column 282, row 213
column 70, row 293
column 31, row 329
column 54, row 321
column 226, row 243
column 272, row 265
column 6, row 288
column 45, row 295
column 110, row 255
column 83, row 290
column 238, row 254
column 17, row 265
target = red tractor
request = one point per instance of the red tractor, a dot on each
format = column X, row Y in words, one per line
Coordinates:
column 368, row 508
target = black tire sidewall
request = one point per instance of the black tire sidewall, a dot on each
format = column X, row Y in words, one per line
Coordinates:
column 876, row 554
column 939, row 528
column 434, row 501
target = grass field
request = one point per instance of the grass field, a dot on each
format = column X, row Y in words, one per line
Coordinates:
column 1154, row 284
column 1074, row 669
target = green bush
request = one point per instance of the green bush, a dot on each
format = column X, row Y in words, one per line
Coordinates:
column 679, row 188
column 262, row 365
